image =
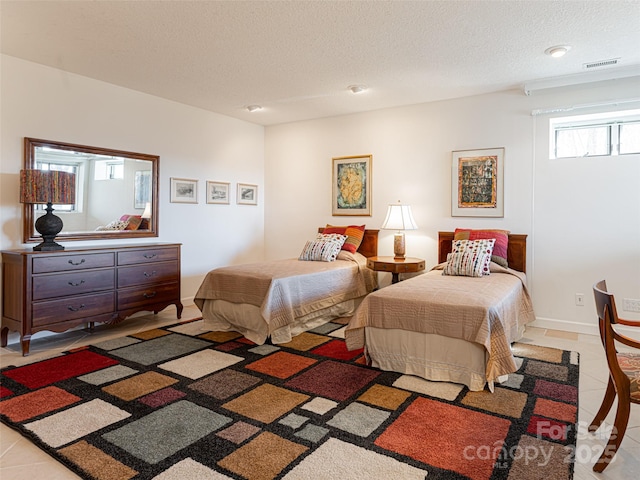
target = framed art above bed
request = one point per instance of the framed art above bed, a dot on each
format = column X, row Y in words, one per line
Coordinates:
column 477, row 183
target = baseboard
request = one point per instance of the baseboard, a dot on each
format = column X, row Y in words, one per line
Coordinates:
column 555, row 324
column 584, row 328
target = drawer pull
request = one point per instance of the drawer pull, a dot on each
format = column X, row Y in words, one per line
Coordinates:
column 75, row 309
column 149, row 295
column 148, row 275
column 75, row 284
column 150, row 255
column 76, row 263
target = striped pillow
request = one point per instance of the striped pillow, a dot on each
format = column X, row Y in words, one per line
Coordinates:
column 354, row 234
column 467, row 264
column 478, row 247
column 325, row 248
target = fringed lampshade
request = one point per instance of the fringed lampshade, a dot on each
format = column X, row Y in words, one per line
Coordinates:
column 50, row 187
column 399, row 217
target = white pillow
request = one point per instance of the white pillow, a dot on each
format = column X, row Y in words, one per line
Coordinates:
column 484, row 246
column 325, row 248
column 467, row 264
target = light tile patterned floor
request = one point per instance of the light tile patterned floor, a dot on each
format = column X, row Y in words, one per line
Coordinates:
column 20, row 459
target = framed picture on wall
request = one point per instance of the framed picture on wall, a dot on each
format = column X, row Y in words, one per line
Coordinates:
column 142, row 188
column 184, row 190
column 247, row 194
column 218, row 192
column 351, row 185
column 477, row 183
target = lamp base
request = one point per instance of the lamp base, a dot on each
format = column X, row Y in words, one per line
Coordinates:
column 48, row 226
column 398, row 246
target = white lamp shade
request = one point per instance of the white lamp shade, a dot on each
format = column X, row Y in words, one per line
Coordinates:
column 147, row 210
column 399, row 217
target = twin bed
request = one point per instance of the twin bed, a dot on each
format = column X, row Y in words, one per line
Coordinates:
column 448, row 328
column 279, row 299
column 438, row 327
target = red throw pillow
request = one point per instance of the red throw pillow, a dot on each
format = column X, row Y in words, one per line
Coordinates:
column 499, row 254
column 354, row 233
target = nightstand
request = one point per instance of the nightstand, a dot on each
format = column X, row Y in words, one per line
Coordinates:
column 395, row 267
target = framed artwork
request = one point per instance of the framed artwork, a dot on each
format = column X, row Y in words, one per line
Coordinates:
column 218, row 192
column 247, row 194
column 477, row 178
column 184, row 190
column 351, row 186
column 141, row 188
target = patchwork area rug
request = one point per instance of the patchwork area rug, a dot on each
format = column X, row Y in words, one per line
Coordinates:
column 181, row 403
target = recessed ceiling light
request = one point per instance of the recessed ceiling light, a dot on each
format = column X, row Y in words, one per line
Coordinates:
column 254, row 108
column 557, row 51
column 357, row 88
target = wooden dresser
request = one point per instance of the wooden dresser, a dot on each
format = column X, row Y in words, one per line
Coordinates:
column 59, row 290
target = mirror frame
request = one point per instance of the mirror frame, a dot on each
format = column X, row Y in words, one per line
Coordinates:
column 29, row 233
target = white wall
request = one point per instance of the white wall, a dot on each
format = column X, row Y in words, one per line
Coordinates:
column 582, row 216
column 47, row 103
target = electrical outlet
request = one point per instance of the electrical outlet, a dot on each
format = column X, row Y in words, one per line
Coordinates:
column 580, row 299
column 631, row 305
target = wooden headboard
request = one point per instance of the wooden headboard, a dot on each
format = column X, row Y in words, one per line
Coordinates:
column 369, row 245
column 516, row 250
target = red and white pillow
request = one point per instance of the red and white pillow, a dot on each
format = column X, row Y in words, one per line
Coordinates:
column 325, row 248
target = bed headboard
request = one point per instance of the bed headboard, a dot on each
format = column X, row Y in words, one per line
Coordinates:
column 369, row 245
column 516, row 250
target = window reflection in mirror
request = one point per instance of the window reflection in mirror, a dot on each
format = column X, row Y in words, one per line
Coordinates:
column 116, row 191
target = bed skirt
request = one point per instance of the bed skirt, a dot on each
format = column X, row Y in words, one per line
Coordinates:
column 223, row 316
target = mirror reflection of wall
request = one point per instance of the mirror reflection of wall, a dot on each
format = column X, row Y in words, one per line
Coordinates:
column 106, row 187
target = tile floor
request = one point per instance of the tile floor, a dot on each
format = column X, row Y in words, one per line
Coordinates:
column 20, row 459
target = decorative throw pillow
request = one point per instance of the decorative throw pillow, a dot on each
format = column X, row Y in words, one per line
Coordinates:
column 478, row 247
column 499, row 254
column 467, row 264
column 115, row 225
column 354, row 234
column 133, row 220
column 324, row 248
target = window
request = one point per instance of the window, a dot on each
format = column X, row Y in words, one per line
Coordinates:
column 613, row 133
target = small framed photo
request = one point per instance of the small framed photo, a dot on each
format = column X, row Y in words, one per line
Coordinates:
column 247, row 194
column 351, row 186
column 477, row 182
column 184, row 190
column 218, row 192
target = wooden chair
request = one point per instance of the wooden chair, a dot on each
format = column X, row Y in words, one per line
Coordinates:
column 624, row 373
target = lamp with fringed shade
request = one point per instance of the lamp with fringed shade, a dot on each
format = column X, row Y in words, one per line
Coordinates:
column 50, row 187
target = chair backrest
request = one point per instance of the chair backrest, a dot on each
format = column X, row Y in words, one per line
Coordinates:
column 604, row 299
column 607, row 315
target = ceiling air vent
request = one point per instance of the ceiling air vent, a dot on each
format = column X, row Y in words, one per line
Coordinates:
column 602, row 63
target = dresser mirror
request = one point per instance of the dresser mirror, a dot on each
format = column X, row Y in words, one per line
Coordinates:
column 116, row 191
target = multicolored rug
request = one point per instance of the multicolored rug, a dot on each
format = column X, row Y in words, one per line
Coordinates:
column 182, row 403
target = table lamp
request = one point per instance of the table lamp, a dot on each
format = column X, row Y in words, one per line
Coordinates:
column 50, row 187
column 400, row 218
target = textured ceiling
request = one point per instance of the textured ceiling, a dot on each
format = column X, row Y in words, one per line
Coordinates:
column 297, row 58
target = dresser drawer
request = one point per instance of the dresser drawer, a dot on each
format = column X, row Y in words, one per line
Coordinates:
column 138, row 296
column 64, row 263
column 65, row 284
column 81, row 306
column 162, row 272
column 132, row 257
